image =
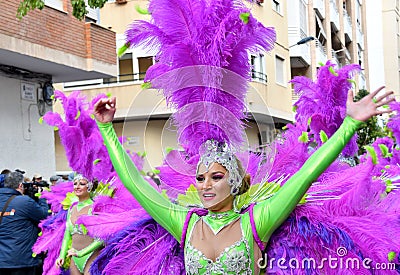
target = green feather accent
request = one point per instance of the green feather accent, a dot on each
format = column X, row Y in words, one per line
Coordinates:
column 309, row 121
column 103, row 190
column 323, row 136
column 191, row 197
column 168, row 150
column 256, row 193
column 34, row 255
column 294, row 108
column 84, row 229
column 123, row 49
column 41, row 120
column 244, row 16
column 389, row 186
column 92, row 116
column 156, row 171
column 372, row 152
column 78, row 114
column 332, row 70
column 108, row 94
column 55, row 128
column 52, row 97
column 70, row 198
column 96, row 161
column 353, row 83
column 321, row 64
column 146, row 85
column 303, row 199
column 140, row 10
column 391, row 256
column 303, row 138
column 384, row 150
column 40, row 233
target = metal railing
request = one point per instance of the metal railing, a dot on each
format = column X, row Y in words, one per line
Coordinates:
column 125, row 78
column 259, row 77
column 139, row 77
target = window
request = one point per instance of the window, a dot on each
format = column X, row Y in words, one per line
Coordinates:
column 257, row 67
column 125, row 67
column 55, row 4
column 280, row 70
column 276, row 5
column 144, row 64
column 92, row 15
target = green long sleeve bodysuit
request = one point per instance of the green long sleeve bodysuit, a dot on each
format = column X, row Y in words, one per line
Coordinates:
column 224, row 243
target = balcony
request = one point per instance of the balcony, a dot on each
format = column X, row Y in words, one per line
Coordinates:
column 334, row 13
column 348, row 28
column 300, row 56
column 360, row 37
column 321, row 56
column 319, row 7
column 134, row 79
column 52, row 44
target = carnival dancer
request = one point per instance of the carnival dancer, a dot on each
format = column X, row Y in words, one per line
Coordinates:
column 222, row 241
column 76, row 243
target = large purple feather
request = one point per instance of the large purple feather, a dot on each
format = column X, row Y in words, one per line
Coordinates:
column 201, row 45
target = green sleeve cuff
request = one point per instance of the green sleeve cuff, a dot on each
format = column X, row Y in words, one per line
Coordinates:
column 96, row 244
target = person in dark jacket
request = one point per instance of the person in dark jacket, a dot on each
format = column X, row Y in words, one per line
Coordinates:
column 18, row 227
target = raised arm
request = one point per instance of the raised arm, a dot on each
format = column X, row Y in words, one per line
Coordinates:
column 271, row 213
column 168, row 215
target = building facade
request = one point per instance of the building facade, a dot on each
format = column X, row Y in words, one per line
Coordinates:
column 339, row 31
column 43, row 48
column 142, row 115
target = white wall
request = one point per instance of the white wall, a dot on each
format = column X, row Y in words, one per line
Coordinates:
column 24, row 143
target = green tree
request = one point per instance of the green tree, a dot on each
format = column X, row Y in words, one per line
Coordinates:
column 78, row 7
column 370, row 130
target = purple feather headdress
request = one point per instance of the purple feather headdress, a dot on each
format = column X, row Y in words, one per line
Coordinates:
column 202, row 64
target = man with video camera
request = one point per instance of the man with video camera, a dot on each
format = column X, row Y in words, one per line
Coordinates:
column 35, row 186
column 19, row 218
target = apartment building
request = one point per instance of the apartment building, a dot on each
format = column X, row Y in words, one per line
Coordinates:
column 43, row 48
column 339, row 31
column 391, row 44
column 143, row 116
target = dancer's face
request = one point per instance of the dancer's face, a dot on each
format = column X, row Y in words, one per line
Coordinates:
column 213, row 188
column 81, row 188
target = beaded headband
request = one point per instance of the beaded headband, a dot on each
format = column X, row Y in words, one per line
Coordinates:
column 79, row 177
column 214, row 151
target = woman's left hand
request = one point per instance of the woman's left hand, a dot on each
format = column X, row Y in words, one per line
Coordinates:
column 367, row 107
column 72, row 252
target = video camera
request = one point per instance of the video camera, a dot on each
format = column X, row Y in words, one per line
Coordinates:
column 31, row 188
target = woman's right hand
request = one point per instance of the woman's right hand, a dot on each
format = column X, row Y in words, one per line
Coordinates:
column 60, row 262
column 104, row 110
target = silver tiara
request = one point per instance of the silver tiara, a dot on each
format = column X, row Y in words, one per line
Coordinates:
column 213, row 151
column 81, row 177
